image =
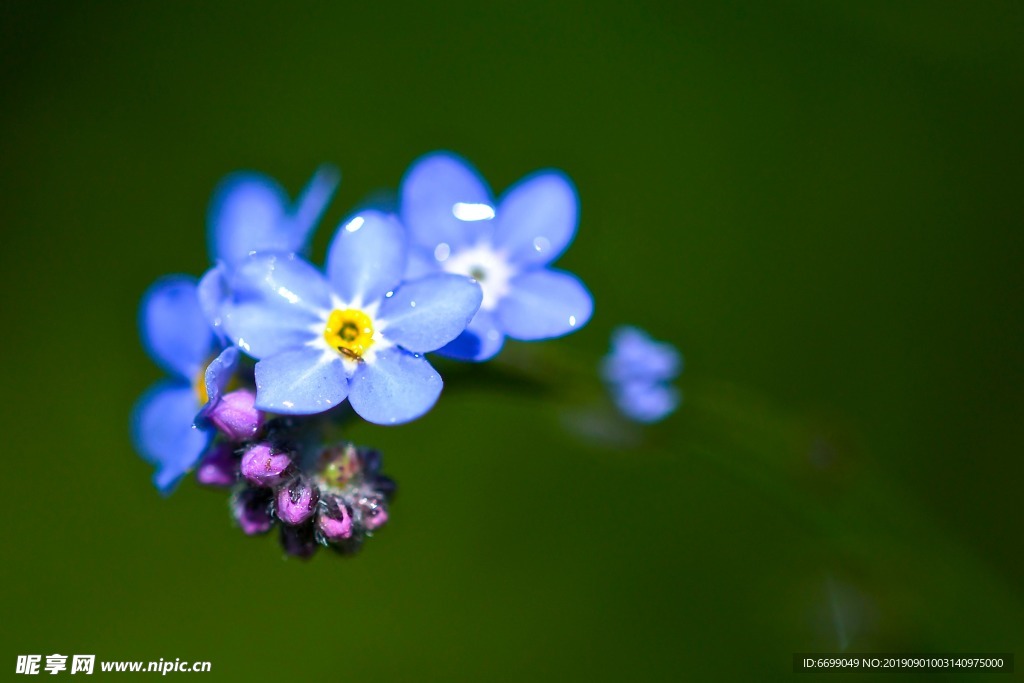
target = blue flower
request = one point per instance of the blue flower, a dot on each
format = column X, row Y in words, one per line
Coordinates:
column 248, row 212
column 456, row 226
column 177, row 336
column 251, row 213
column 638, row 371
column 353, row 333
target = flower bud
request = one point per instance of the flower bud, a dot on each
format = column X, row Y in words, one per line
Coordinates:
column 219, row 467
column 251, row 509
column 385, row 486
column 335, row 522
column 371, row 461
column 298, row 541
column 262, row 465
column 375, row 512
column 296, row 501
column 236, row 416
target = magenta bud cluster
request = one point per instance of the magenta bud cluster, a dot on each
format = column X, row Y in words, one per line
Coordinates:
column 282, row 475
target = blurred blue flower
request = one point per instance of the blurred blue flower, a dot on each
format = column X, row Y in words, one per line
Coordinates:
column 456, row 226
column 250, row 213
column 638, row 371
column 353, row 333
column 177, row 336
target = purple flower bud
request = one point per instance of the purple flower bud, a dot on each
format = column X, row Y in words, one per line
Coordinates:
column 219, row 467
column 375, row 512
column 251, row 509
column 298, row 541
column 335, row 523
column 262, row 465
column 235, row 415
column 385, row 486
column 370, row 457
column 296, row 501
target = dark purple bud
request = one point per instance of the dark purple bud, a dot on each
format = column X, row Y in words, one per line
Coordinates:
column 375, row 512
column 335, row 522
column 299, row 541
column 219, row 467
column 296, row 501
column 251, row 508
column 385, row 486
column 235, row 415
column 371, row 460
column 262, row 465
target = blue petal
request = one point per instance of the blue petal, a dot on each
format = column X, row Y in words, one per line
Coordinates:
column 645, row 402
column 444, row 200
column 213, row 292
column 219, row 373
column 278, row 301
column 247, row 214
column 396, row 387
column 262, row 331
column 420, row 263
column 481, row 341
column 300, row 382
column 544, row 303
column 426, row 314
column 366, row 260
column 311, row 204
column 281, row 280
column 537, row 218
column 174, row 329
column 163, row 433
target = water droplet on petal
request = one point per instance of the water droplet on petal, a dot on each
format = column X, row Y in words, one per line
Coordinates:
column 572, row 321
column 442, row 251
column 541, row 244
column 472, row 212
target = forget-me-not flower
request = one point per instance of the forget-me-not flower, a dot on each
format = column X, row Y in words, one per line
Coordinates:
column 178, row 337
column 456, row 226
column 638, row 371
column 356, row 332
column 250, row 213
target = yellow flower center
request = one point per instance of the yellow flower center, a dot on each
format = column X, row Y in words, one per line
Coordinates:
column 199, row 386
column 350, row 332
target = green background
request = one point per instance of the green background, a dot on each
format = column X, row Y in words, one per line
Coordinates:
column 819, row 203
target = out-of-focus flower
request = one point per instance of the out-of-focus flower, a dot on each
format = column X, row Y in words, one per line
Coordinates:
column 250, row 213
column 638, row 371
column 456, row 226
column 354, row 333
column 177, row 336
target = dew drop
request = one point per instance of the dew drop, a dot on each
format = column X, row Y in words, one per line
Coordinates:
column 472, row 212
